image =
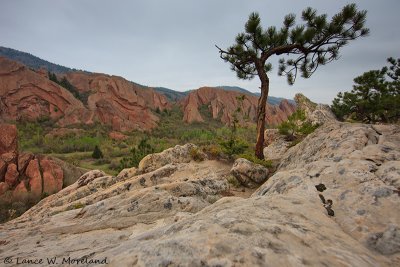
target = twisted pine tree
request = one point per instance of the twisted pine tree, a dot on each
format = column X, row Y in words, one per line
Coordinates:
column 304, row 48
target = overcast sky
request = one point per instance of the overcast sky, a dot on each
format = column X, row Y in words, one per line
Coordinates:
column 171, row 43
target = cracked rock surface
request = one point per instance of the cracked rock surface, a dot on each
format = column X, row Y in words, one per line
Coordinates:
column 177, row 215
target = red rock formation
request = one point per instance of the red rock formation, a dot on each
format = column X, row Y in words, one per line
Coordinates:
column 35, row 178
column 3, row 187
column 11, row 174
column 42, row 175
column 20, row 192
column 30, row 95
column 118, row 102
column 8, row 144
column 25, row 94
column 52, row 176
column 223, row 104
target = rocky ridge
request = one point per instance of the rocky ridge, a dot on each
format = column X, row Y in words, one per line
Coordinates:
column 315, row 113
column 333, row 201
column 222, row 104
column 30, row 95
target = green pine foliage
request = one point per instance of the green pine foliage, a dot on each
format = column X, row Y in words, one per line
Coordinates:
column 375, row 96
column 97, row 154
column 302, row 48
column 296, row 127
column 83, row 97
column 143, row 149
column 234, row 145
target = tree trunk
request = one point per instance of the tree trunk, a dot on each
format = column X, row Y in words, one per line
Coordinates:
column 262, row 101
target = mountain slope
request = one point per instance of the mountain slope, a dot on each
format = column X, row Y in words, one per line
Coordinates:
column 112, row 100
column 32, row 61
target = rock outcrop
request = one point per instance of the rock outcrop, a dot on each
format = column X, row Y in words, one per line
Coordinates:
column 114, row 101
column 25, row 176
column 171, row 155
column 249, row 174
column 111, row 100
column 315, row 113
column 222, row 104
column 334, row 201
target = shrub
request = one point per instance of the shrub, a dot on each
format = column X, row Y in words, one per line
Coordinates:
column 296, row 126
column 254, row 159
column 196, row 154
column 233, row 181
column 97, row 154
column 213, row 151
column 137, row 154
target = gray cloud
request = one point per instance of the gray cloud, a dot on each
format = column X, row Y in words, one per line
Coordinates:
column 171, row 43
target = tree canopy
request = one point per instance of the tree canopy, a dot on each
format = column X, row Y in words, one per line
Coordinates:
column 375, row 97
column 302, row 47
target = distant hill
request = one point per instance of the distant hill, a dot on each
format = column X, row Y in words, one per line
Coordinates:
column 172, row 95
column 271, row 99
column 32, row 61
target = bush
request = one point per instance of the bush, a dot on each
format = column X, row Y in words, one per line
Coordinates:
column 296, row 126
column 254, row 159
column 213, row 151
column 196, row 154
column 136, row 154
column 375, row 97
column 233, row 146
column 97, row 154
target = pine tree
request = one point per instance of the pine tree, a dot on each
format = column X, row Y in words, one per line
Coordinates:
column 304, row 48
column 375, row 96
column 97, row 154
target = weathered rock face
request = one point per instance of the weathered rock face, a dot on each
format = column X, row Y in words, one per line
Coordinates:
column 315, row 113
column 26, row 176
column 248, row 173
column 172, row 155
column 26, row 94
column 117, row 102
column 358, row 166
column 222, row 104
column 334, row 201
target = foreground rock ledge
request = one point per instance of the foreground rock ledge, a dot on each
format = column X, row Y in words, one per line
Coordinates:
column 176, row 215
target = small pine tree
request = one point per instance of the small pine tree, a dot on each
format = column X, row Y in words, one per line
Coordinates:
column 97, row 154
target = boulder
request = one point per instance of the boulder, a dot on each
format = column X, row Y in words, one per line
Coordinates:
column 12, row 174
column 177, row 154
column 52, row 176
column 249, row 174
column 277, row 149
column 128, row 173
column 20, row 193
column 71, row 173
column 89, row 177
column 35, row 178
column 3, row 188
column 270, row 136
